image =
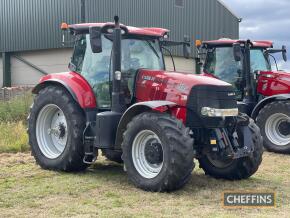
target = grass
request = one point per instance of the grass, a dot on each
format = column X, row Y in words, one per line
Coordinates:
column 16, row 109
column 13, row 137
column 104, row 191
column 13, row 114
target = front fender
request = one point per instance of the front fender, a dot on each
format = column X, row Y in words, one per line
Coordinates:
column 74, row 83
column 268, row 100
column 133, row 111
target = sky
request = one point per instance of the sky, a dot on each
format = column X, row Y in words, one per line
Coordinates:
column 265, row 20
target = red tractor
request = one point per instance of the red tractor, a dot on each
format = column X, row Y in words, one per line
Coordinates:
column 262, row 93
column 118, row 98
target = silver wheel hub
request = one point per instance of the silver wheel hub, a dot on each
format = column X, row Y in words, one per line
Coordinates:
column 51, row 131
column 277, row 129
column 147, row 154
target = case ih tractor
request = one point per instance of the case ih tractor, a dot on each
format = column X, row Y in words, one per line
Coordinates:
column 262, row 93
column 118, row 98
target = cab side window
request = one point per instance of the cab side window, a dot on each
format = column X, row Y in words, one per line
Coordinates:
column 138, row 54
column 95, row 68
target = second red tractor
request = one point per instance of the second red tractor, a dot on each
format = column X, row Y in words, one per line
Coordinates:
column 262, row 93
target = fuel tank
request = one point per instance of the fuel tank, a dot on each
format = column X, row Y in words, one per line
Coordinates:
column 273, row 83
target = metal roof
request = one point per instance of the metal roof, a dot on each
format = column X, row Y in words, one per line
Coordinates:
column 227, row 7
column 230, row 42
column 148, row 31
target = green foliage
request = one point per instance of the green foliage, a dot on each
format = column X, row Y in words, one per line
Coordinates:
column 16, row 109
column 13, row 114
column 13, row 137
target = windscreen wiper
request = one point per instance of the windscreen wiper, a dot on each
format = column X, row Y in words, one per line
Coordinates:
column 153, row 49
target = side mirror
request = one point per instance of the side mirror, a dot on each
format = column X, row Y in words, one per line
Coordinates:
column 96, row 39
column 237, row 52
column 284, row 53
column 186, row 47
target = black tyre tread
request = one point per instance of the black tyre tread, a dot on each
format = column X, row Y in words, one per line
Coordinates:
column 242, row 168
column 180, row 147
column 73, row 161
column 112, row 155
column 264, row 113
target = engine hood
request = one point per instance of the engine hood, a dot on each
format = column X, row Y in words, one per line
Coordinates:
column 171, row 86
column 273, row 83
column 275, row 73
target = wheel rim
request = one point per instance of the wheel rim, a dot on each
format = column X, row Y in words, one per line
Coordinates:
column 51, row 131
column 277, row 129
column 147, row 154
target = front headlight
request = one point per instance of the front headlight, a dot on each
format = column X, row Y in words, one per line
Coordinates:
column 213, row 112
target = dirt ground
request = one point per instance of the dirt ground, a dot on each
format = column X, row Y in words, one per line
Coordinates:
column 104, row 191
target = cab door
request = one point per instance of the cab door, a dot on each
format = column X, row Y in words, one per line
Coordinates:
column 95, row 68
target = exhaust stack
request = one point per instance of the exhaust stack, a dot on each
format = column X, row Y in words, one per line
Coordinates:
column 249, row 98
column 117, row 103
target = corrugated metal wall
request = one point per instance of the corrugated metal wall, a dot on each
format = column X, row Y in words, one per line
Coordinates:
column 199, row 19
column 34, row 24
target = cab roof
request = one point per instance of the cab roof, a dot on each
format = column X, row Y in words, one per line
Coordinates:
column 142, row 31
column 230, row 42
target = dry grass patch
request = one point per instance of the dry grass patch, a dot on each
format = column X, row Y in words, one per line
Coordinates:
column 13, row 137
column 16, row 109
column 104, row 191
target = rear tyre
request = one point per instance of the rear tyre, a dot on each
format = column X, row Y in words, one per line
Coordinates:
column 274, row 122
column 237, row 169
column 55, row 127
column 158, row 152
column 115, row 156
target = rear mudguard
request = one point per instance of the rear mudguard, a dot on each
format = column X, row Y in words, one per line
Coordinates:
column 136, row 109
column 74, row 83
column 265, row 101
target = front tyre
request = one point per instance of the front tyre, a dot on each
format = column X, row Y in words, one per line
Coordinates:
column 274, row 122
column 55, row 127
column 157, row 152
column 235, row 169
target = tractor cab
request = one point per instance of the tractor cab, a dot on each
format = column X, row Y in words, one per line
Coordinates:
column 220, row 61
column 140, row 49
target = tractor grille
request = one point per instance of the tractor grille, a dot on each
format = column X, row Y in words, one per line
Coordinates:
column 220, row 97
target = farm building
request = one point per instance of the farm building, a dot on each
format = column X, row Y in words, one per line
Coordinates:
column 30, row 35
